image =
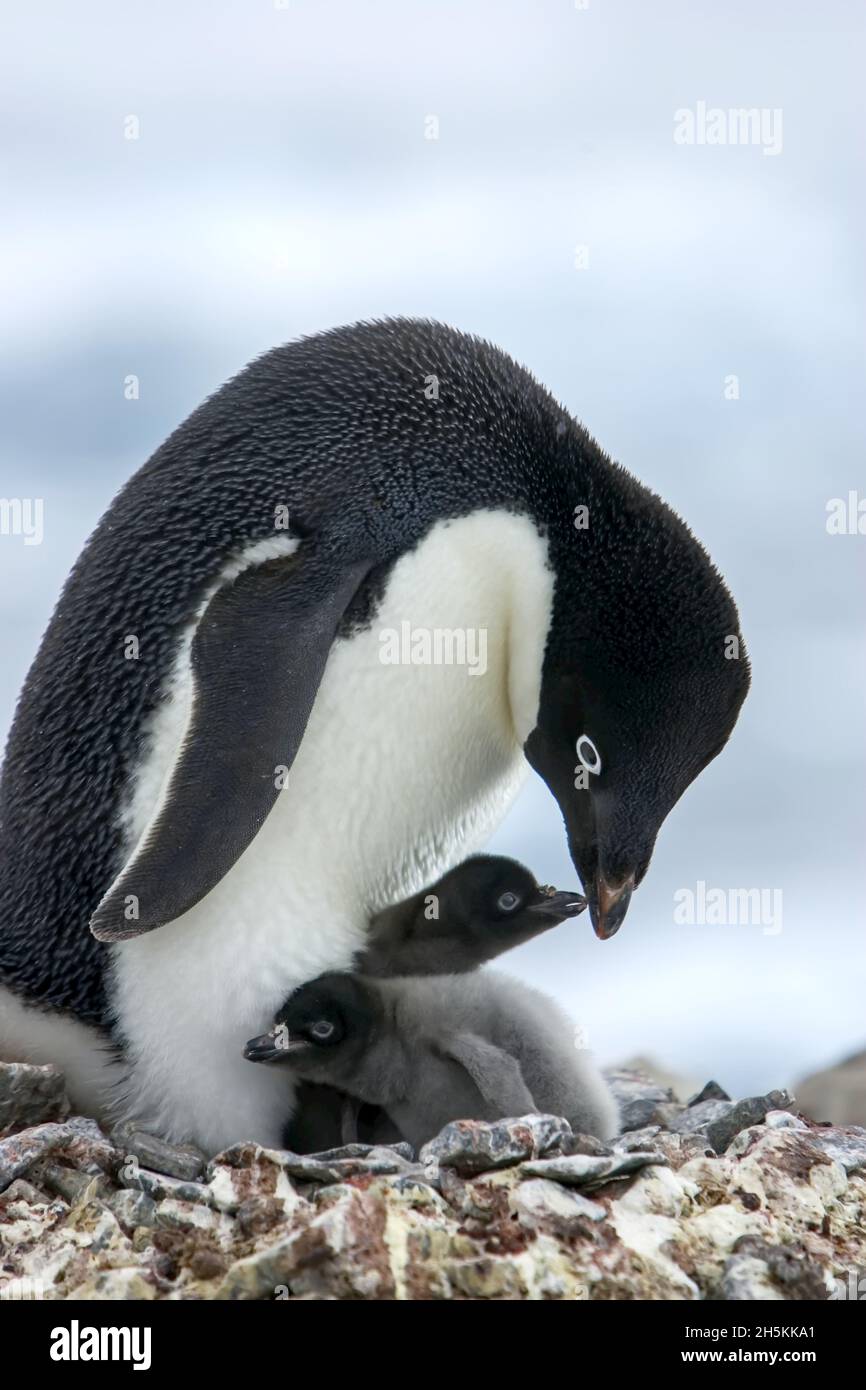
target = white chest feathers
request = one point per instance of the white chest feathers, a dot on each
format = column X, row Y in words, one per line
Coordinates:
column 411, row 756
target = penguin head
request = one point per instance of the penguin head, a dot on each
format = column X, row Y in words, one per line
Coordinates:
column 491, row 897
column 643, row 678
column 322, row 1027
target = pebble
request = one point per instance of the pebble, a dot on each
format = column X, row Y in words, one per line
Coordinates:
column 30, row 1095
column 783, row 1119
column 19, row 1151
column 759, row 1270
column 132, row 1209
column 183, row 1161
column 742, row 1115
column 476, row 1146
column 63, row 1181
column 159, row 1186
column 319, row 1168
column 23, row 1191
column 584, row 1170
column 844, row 1144
column 179, row 1215
column 698, row 1116
column 540, row 1200
column 641, row 1101
column 636, row 1139
column 712, row 1091
column 585, row 1144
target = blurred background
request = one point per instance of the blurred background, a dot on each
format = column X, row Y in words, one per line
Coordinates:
column 188, row 185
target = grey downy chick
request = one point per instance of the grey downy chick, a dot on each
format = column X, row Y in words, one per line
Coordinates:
column 484, row 906
column 481, row 1046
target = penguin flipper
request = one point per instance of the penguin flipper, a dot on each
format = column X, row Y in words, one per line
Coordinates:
column 257, row 658
column 496, row 1073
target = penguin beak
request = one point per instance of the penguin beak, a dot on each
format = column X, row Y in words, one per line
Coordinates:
column 263, row 1049
column 268, row 1047
column 588, row 830
column 608, row 905
column 555, row 907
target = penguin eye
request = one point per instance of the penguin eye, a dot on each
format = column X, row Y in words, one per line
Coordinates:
column 508, row 902
column 588, row 755
column 322, row 1030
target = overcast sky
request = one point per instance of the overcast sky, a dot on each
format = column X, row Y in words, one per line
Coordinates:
column 282, row 182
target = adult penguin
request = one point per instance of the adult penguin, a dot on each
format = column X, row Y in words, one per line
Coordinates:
column 293, row 677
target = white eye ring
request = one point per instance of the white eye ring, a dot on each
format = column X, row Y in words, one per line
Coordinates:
column 588, row 755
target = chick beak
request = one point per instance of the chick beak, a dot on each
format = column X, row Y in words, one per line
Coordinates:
column 555, row 907
column 608, row 905
column 265, row 1048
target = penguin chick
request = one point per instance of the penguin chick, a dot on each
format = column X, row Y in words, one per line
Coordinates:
column 482, row 907
column 486, row 1047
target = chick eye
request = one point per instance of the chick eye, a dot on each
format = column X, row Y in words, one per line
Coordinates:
column 508, row 902
column 322, row 1030
column 588, row 755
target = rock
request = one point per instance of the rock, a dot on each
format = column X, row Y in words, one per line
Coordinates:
column 63, row 1181
column 758, row 1270
column 157, row 1186
column 722, row 1130
column 517, row 1210
column 247, row 1170
column 783, row 1119
column 677, row 1148
column 182, row 1215
column 207, row 1264
column 23, row 1191
column 121, row 1284
column 419, row 1187
column 584, row 1144
column 847, row 1145
column 636, row 1139
column 377, row 1162
column 258, row 1215
column 585, row 1170
column 540, row 1202
column 19, row 1151
column 30, row 1096
column 182, row 1161
column 837, row 1094
column 474, row 1146
column 341, row 1252
column 641, row 1100
column 353, row 1151
column 712, row 1091
column 698, row 1117
column 132, row 1209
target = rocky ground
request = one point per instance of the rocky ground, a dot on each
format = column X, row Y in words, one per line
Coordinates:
column 714, row 1199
